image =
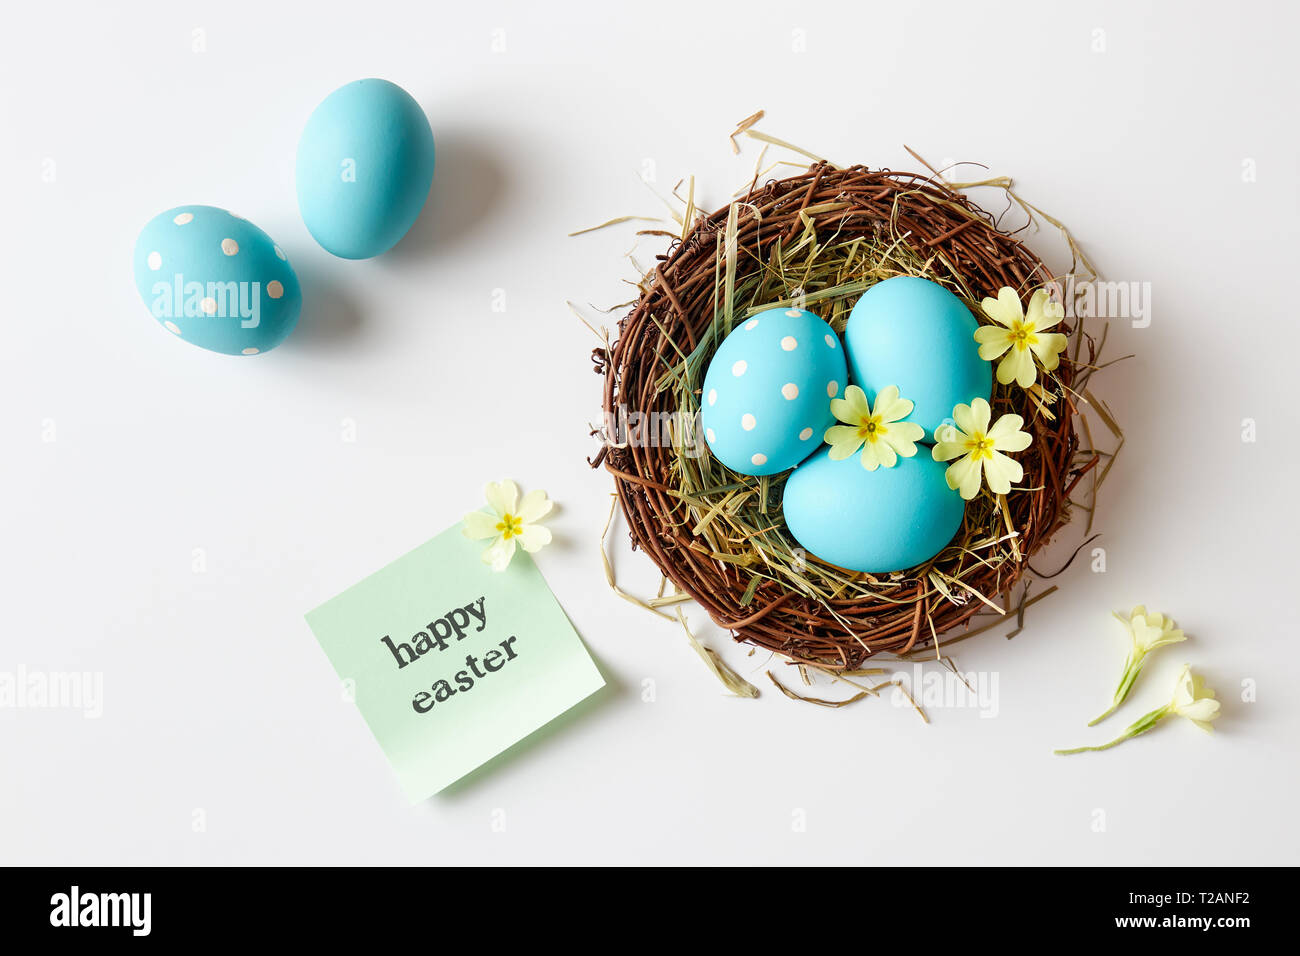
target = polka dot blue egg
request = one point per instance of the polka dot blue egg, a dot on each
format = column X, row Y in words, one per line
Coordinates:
column 766, row 397
column 216, row 281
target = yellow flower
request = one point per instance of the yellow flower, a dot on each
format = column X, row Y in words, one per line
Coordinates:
column 1147, row 631
column 1193, row 700
column 977, row 445
column 1021, row 337
column 879, row 431
column 510, row 523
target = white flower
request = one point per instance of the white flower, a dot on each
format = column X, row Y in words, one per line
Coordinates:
column 511, row 522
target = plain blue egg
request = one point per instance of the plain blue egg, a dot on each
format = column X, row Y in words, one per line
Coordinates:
column 365, row 164
column 216, row 280
column 877, row 521
column 766, row 399
column 915, row 334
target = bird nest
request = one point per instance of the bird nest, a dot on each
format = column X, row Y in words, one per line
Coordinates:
column 818, row 240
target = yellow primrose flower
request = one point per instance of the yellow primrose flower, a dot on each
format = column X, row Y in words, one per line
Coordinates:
column 977, row 445
column 511, row 522
column 1192, row 699
column 1147, row 631
column 1195, row 701
column 1021, row 337
column 879, row 431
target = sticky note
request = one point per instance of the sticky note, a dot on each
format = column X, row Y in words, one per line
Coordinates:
column 451, row 662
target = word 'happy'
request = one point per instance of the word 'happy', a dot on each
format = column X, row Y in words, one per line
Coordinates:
column 441, row 634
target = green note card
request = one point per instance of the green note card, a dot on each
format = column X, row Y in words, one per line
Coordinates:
column 453, row 662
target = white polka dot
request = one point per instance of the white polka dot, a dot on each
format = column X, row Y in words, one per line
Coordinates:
column 209, row 306
column 280, row 253
column 155, row 261
column 794, row 313
column 747, row 422
column 274, row 289
column 171, row 327
column 708, row 433
column 790, row 390
column 713, row 396
column 739, row 368
column 250, row 351
column 751, row 325
column 789, row 343
column 830, row 340
column 229, row 246
column 832, row 388
column 184, row 219
column 805, row 434
column 759, row 459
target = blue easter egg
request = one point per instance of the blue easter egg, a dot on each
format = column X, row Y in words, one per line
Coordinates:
column 365, row 164
column 766, row 395
column 877, row 521
column 915, row 334
column 216, row 280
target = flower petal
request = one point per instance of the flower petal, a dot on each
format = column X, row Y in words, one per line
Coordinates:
column 1005, row 309
column 1043, row 312
column 502, row 496
column 980, row 413
column 1199, row 689
column 886, row 454
column 1018, row 366
column 1048, row 348
column 964, row 416
column 903, row 436
column 963, row 476
column 1000, row 472
column 1007, row 436
column 1005, row 425
column 947, row 450
column 1207, row 708
column 1026, row 371
column 1184, row 689
column 535, row 506
column 499, row 553
column 534, row 537
column 890, row 406
column 886, row 396
column 844, row 441
column 854, row 404
column 480, row 524
column 1168, row 637
column 993, row 341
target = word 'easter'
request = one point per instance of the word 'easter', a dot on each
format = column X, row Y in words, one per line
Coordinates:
column 440, row 633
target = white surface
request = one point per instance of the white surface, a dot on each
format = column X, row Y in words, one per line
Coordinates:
column 216, row 697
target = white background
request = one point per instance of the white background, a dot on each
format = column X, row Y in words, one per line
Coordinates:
column 217, row 699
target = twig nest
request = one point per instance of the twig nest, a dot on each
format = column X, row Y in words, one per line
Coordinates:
column 817, row 242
